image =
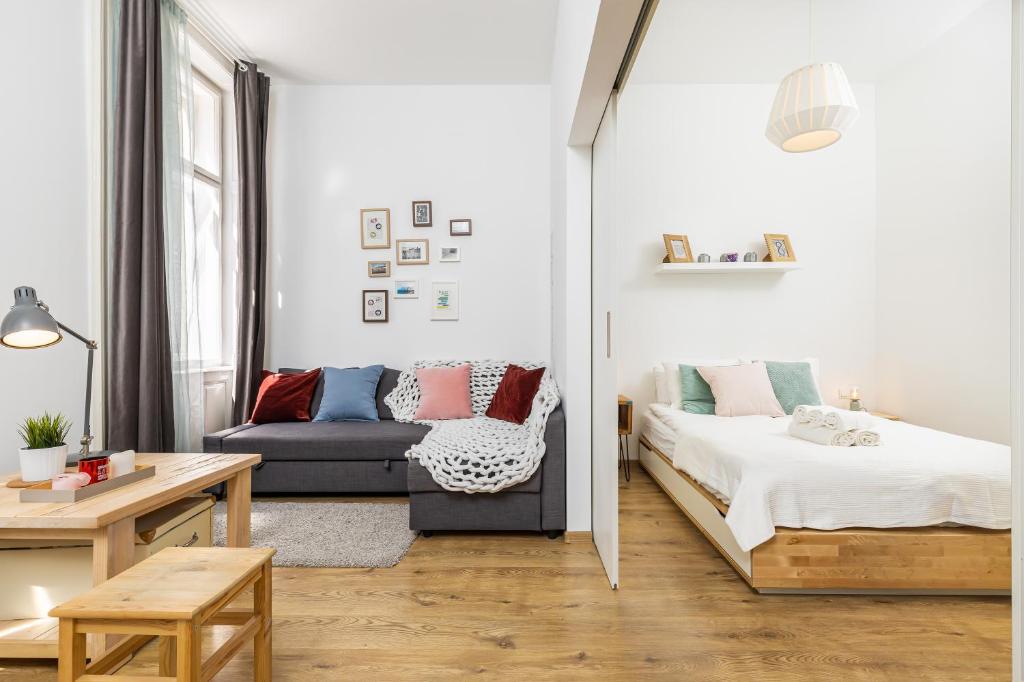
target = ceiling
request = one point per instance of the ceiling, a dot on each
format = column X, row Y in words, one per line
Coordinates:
column 760, row 41
column 383, row 42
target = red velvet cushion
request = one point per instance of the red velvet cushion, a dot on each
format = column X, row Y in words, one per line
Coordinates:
column 284, row 397
column 514, row 397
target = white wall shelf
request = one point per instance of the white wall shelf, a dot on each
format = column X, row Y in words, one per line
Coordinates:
column 719, row 268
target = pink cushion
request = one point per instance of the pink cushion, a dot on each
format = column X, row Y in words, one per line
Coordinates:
column 742, row 390
column 444, row 393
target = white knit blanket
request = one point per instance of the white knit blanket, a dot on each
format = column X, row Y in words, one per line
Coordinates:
column 477, row 455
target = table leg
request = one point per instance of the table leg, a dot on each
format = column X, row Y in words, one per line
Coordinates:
column 113, row 551
column 239, row 503
column 262, row 607
column 71, row 663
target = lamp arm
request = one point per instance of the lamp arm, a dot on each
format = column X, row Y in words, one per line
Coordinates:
column 92, row 346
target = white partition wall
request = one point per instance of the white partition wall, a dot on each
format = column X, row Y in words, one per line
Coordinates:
column 604, row 345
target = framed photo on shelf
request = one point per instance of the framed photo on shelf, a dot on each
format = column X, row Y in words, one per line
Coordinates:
column 407, row 288
column 375, row 305
column 779, row 248
column 378, row 268
column 444, row 301
column 677, row 248
column 375, row 228
column 460, row 227
column 412, row 252
column 422, row 214
column 451, row 254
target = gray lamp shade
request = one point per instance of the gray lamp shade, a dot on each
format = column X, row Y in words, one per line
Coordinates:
column 27, row 325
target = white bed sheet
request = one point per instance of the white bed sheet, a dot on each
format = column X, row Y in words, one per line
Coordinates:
column 918, row 477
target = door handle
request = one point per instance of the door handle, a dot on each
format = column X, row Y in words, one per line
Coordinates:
column 608, row 334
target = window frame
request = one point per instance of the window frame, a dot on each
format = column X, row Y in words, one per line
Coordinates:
column 215, row 181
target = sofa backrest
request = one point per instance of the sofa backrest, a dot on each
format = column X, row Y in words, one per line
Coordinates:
column 387, row 383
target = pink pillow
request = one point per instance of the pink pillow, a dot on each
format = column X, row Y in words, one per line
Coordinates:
column 742, row 390
column 444, row 393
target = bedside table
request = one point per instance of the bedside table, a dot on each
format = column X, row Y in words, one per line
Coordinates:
column 884, row 415
column 625, row 428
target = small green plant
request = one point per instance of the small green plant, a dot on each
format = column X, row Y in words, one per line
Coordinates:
column 47, row 431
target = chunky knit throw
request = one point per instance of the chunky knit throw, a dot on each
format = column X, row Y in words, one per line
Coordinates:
column 477, row 455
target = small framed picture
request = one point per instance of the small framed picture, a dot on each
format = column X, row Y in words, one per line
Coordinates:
column 460, row 227
column 378, row 268
column 412, row 252
column 422, row 214
column 779, row 247
column 677, row 247
column 375, row 305
column 451, row 254
column 407, row 288
column 375, row 228
column 444, row 301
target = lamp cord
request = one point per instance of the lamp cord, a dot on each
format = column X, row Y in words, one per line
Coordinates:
column 810, row 29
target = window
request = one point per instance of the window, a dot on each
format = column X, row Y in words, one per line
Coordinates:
column 208, row 202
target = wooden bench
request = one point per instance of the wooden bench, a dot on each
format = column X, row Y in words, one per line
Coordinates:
column 171, row 595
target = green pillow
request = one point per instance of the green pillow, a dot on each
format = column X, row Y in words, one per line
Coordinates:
column 793, row 384
column 697, row 395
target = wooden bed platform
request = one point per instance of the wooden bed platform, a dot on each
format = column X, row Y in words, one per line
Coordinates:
column 932, row 560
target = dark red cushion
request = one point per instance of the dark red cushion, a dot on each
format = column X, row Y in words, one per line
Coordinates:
column 514, row 397
column 285, row 397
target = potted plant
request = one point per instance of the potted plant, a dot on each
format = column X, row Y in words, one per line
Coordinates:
column 45, row 452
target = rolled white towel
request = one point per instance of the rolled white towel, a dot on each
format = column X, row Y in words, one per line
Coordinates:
column 801, row 414
column 866, row 437
column 820, row 434
column 815, row 417
column 846, row 420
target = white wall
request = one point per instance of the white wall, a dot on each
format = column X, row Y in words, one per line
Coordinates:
column 694, row 161
column 480, row 152
column 943, row 226
column 44, row 192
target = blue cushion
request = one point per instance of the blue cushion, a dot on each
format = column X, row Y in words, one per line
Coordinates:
column 349, row 395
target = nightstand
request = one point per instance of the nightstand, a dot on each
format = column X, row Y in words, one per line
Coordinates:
column 883, row 415
column 625, row 428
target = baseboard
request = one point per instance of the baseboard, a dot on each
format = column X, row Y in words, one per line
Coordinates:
column 578, row 536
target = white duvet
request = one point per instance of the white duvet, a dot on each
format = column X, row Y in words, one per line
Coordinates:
column 917, row 477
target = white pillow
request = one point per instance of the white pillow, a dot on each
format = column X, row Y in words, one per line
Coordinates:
column 660, row 390
column 673, row 384
column 813, row 362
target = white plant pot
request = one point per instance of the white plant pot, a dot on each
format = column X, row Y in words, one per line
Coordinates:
column 42, row 464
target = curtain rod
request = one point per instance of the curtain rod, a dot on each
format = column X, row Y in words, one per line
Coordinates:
column 212, row 31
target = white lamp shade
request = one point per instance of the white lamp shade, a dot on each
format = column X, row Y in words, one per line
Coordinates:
column 813, row 108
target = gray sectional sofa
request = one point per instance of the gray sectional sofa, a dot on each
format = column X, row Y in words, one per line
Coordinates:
column 328, row 458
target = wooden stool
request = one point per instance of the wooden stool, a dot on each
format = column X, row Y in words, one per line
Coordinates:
column 171, row 595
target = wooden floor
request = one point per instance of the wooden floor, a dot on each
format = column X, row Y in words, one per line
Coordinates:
column 528, row 608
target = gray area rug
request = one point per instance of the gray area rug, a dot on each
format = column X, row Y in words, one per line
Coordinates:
column 327, row 534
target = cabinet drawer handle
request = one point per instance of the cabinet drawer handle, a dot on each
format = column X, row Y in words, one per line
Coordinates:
column 191, row 541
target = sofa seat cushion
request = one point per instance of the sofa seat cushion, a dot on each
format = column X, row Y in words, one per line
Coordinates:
column 327, row 441
column 420, row 481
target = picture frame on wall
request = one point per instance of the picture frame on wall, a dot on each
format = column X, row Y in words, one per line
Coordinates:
column 422, row 214
column 460, row 227
column 780, row 249
column 375, row 228
column 412, row 252
column 378, row 268
column 451, row 254
column 375, row 305
column 407, row 288
column 444, row 301
column 677, row 248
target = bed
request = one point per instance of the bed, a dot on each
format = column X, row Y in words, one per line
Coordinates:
column 927, row 512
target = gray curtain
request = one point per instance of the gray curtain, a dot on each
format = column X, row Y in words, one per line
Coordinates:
column 252, row 99
column 140, row 406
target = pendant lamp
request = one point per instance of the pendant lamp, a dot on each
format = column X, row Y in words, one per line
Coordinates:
column 813, row 107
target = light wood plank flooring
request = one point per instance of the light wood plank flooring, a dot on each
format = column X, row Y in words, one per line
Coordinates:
column 522, row 607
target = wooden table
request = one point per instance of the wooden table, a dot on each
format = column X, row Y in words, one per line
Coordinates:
column 625, row 428
column 108, row 521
